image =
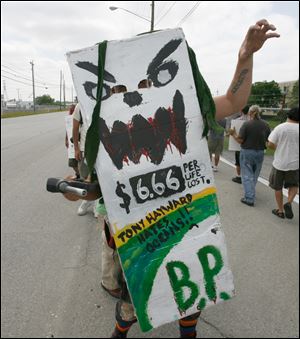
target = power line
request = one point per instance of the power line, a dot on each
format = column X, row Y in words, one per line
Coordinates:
column 160, row 19
column 41, row 80
column 17, row 75
column 189, row 13
column 21, row 82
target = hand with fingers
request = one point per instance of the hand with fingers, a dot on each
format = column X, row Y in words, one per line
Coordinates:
column 256, row 37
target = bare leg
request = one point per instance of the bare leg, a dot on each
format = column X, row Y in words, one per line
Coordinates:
column 292, row 191
column 238, row 170
column 217, row 159
column 279, row 200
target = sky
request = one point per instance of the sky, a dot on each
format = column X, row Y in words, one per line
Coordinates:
column 43, row 32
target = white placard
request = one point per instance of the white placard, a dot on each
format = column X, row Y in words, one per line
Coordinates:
column 233, row 145
column 155, row 174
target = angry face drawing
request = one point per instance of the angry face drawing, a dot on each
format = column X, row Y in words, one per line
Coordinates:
column 156, row 119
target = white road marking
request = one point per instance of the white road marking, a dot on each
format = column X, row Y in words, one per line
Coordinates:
column 262, row 180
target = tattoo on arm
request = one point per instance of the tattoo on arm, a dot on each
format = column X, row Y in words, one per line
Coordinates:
column 240, row 80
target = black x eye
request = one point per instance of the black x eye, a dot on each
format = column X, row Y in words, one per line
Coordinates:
column 162, row 72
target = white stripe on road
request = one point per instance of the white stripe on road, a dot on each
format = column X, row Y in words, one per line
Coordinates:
column 262, row 180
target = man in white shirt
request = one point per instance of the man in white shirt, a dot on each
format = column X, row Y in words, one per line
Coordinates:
column 285, row 171
column 244, row 117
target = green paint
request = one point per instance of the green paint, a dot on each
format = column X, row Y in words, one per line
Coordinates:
column 179, row 283
column 140, row 270
column 208, row 272
column 202, row 304
column 224, row 296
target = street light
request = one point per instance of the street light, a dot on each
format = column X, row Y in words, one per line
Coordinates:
column 113, row 8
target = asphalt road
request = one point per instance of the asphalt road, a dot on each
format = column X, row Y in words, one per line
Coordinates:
column 50, row 257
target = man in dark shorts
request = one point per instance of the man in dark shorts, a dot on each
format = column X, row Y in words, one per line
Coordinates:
column 285, row 171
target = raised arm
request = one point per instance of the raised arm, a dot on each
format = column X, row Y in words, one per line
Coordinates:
column 239, row 90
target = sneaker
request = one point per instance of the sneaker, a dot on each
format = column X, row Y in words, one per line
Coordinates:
column 246, row 202
column 238, row 180
column 215, row 168
column 82, row 210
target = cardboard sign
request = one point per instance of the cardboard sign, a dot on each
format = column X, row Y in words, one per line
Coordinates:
column 155, row 174
column 233, row 145
column 69, row 129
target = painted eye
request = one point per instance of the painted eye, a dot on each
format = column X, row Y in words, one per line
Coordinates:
column 105, row 92
column 89, row 88
column 164, row 74
column 161, row 71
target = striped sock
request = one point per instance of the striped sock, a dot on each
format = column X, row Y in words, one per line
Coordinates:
column 121, row 329
column 188, row 328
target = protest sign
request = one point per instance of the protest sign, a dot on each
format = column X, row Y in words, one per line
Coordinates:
column 233, row 145
column 155, row 174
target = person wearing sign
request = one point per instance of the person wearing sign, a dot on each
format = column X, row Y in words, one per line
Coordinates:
column 252, row 136
column 233, row 101
column 284, row 139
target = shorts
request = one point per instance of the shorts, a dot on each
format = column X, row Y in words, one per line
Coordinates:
column 279, row 179
column 215, row 146
column 237, row 158
column 72, row 163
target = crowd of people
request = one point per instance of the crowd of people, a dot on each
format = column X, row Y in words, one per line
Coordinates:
column 254, row 136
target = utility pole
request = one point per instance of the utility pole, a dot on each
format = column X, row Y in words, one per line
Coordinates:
column 60, row 81
column 5, row 91
column 64, row 91
column 33, row 91
column 152, row 16
column 18, row 90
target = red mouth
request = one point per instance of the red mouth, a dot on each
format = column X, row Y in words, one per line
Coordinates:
column 146, row 137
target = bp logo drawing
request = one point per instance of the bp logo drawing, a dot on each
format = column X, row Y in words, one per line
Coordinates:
column 154, row 170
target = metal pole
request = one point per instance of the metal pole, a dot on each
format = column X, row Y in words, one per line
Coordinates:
column 33, row 91
column 152, row 16
column 64, row 84
column 60, row 92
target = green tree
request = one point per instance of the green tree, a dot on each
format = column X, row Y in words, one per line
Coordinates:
column 293, row 97
column 265, row 94
column 44, row 100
